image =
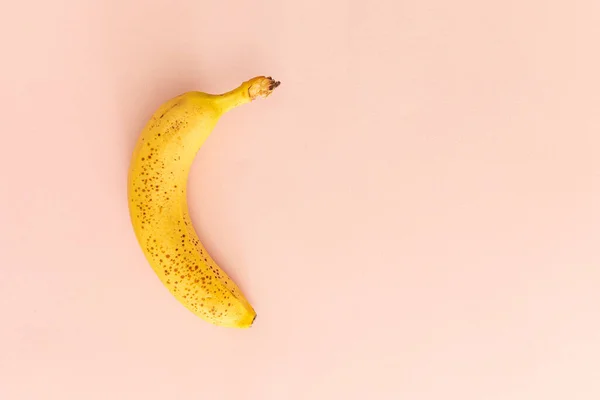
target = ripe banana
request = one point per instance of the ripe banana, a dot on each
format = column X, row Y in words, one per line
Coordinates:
column 158, row 208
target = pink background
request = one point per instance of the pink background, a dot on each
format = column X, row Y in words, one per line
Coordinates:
column 414, row 213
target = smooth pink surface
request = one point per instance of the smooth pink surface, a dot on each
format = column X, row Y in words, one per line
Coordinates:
column 415, row 213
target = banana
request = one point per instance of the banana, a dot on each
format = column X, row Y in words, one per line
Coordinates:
column 157, row 180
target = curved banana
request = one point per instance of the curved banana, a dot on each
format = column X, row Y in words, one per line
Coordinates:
column 158, row 207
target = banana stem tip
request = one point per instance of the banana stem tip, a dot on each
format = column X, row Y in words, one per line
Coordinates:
column 274, row 83
column 262, row 86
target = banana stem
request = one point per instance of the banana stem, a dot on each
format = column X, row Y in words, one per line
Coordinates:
column 248, row 91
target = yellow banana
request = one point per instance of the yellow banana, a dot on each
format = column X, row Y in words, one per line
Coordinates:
column 158, row 208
